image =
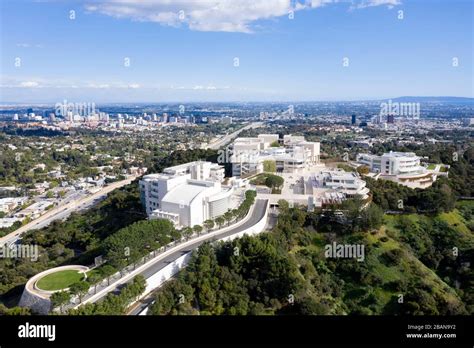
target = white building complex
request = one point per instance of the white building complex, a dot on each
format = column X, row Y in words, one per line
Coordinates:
column 341, row 183
column 249, row 155
column 186, row 194
column 401, row 167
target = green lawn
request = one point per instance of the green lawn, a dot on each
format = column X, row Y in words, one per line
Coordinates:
column 59, row 280
column 431, row 166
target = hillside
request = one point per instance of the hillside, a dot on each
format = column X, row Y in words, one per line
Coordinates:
column 409, row 271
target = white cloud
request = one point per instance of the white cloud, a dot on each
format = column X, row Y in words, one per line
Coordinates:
column 319, row 3
column 37, row 82
column 214, row 15
column 100, row 86
column 201, row 88
column 203, row 15
column 27, row 45
column 29, row 84
column 32, row 82
column 370, row 3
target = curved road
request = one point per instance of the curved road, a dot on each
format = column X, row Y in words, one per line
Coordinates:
column 257, row 214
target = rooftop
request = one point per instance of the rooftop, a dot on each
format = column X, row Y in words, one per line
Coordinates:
column 184, row 194
column 399, row 154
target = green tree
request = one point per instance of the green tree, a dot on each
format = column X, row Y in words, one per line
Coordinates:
column 187, row 232
column 209, row 224
column 309, row 306
column 14, row 310
column 371, row 217
column 197, row 229
column 60, row 299
column 80, row 289
column 269, row 166
column 235, row 213
column 228, row 216
column 363, row 170
column 274, row 181
column 107, row 271
column 220, row 221
column 94, row 278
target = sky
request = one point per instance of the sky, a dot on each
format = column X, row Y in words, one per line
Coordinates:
column 234, row 50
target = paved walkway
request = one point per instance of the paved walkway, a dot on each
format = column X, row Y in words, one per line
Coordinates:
column 160, row 258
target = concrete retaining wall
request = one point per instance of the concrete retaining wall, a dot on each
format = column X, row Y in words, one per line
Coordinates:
column 38, row 300
column 156, row 280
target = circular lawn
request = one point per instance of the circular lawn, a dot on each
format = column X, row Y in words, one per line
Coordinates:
column 59, row 280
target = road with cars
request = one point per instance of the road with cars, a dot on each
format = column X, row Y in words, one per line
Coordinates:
column 229, row 137
column 64, row 210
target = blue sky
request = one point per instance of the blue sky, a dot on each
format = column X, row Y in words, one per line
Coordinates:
column 185, row 50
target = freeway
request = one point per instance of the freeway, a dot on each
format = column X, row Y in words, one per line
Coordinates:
column 173, row 254
column 64, row 210
column 228, row 138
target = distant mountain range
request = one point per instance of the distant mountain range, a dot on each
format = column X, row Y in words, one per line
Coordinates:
column 433, row 99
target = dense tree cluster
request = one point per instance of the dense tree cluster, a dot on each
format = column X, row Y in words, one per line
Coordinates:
column 349, row 217
column 60, row 299
column 32, row 132
column 14, row 310
column 285, row 271
column 240, row 277
column 76, row 240
column 461, row 173
column 81, row 238
column 114, row 304
column 183, row 156
column 391, row 196
column 443, row 249
column 131, row 243
column 275, row 182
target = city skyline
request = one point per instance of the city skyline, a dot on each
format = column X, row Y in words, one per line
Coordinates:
column 126, row 51
column 236, row 164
